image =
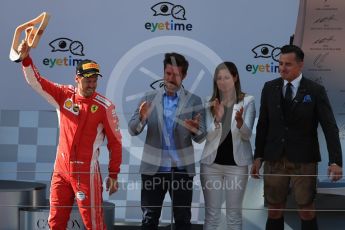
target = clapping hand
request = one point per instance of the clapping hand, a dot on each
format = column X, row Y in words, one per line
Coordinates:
column 218, row 110
column 144, row 110
column 193, row 124
column 239, row 118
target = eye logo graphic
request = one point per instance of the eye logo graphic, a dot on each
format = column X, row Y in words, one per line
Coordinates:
column 266, row 51
column 159, row 84
column 66, row 44
column 167, row 8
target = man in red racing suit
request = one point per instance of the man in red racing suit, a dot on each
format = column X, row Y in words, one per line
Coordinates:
column 85, row 118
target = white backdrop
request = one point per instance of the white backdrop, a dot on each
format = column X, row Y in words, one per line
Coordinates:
column 108, row 30
column 119, row 36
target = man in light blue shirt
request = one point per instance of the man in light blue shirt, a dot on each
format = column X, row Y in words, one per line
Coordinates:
column 174, row 118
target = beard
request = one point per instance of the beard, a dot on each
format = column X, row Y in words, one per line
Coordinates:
column 88, row 92
column 171, row 85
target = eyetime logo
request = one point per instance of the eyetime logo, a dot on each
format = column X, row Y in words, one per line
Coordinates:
column 175, row 12
column 265, row 51
column 65, row 45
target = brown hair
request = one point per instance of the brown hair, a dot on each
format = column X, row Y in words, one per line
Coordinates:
column 231, row 67
column 176, row 59
column 293, row 49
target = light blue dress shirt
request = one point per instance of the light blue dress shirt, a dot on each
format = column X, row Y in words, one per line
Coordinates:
column 169, row 154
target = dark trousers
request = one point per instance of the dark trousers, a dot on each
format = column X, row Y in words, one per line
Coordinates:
column 153, row 190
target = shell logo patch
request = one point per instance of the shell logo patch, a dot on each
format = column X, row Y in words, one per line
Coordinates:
column 94, row 108
column 73, row 108
column 68, row 103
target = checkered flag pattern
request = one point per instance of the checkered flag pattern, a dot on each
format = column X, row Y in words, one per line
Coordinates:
column 28, row 141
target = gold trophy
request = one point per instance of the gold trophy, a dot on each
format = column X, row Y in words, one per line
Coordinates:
column 33, row 32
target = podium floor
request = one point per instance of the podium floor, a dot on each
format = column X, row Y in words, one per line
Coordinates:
column 254, row 213
column 136, row 226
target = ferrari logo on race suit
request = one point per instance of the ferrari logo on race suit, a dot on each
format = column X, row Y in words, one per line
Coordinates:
column 94, row 108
